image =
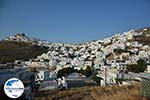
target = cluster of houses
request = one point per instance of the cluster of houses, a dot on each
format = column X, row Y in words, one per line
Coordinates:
column 21, row 37
column 125, row 47
column 116, row 51
column 109, row 57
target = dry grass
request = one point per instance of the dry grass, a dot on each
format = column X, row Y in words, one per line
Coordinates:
column 96, row 93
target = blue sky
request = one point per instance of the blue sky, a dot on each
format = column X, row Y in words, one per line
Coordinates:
column 72, row 20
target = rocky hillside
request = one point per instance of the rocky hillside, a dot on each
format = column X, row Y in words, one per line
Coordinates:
column 10, row 51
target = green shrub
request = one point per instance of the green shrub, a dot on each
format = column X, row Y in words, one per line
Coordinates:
column 137, row 68
column 65, row 71
column 97, row 79
column 87, row 72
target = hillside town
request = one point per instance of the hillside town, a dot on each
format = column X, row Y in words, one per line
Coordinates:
column 108, row 60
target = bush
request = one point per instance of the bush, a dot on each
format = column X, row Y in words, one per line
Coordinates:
column 65, row 71
column 97, row 79
column 87, row 72
column 137, row 68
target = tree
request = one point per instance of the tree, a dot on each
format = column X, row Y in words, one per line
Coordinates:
column 97, row 80
column 65, row 71
column 87, row 72
column 137, row 68
column 141, row 65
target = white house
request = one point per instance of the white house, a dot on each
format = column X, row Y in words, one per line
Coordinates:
column 42, row 75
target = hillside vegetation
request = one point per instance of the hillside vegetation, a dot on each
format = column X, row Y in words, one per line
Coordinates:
column 94, row 93
column 10, row 51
